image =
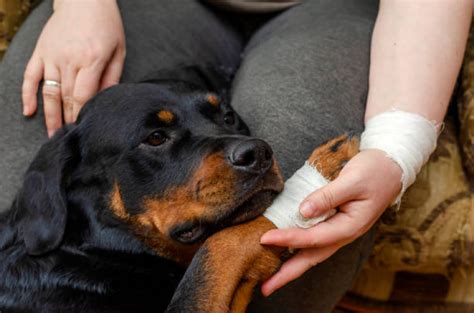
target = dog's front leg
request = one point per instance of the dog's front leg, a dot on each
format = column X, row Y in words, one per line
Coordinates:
column 225, row 271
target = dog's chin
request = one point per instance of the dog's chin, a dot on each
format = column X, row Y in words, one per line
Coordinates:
column 252, row 207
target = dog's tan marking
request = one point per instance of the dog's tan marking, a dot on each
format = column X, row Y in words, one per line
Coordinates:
column 209, row 193
column 212, row 185
column 116, row 203
column 166, row 117
column 213, row 100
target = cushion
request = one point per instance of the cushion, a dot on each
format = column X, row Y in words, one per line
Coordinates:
column 12, row 14
column 466, row 107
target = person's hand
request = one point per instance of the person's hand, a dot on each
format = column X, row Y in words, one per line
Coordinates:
column 366, row 186
column 82, row 47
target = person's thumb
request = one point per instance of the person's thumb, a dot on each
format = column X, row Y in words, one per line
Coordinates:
column 328, row 197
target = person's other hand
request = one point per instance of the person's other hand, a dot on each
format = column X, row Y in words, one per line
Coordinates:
column 82, row 47
column 366, row 186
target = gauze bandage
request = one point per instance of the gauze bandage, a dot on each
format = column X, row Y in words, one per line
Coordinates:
column 406, row 138
column 284, row 211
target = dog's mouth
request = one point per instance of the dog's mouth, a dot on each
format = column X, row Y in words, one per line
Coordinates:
column 250, row 208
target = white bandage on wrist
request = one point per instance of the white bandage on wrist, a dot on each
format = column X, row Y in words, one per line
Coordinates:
column 407, row 138
column 284, row 211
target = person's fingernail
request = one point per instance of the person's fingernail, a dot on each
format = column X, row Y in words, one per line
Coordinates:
column 306, row 209
column 26, row 111
column 266, row 291
column 267, row 237
column 264, row 239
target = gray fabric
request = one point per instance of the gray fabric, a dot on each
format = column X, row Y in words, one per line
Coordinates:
column 20, row 137
column 303, row 80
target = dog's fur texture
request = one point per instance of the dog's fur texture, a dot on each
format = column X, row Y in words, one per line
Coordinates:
column 113, row 207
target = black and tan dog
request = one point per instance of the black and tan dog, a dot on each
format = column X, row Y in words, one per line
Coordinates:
column 113, row 207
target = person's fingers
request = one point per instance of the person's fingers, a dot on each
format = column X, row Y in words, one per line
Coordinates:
column 113, row 71
column 290, row 237
column 297, row 266
column 52, row 100
column 31, row 80
column 85, row 87
column 339, row 229
column 68, row 76
column 337, row 192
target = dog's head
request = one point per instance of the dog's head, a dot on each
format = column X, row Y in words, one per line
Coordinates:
column 171, row 161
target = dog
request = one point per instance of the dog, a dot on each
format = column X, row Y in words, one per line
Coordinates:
column 224, row 273
column 113, row 207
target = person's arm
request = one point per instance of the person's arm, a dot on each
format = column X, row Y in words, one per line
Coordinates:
column 417, row 51
column 82, row 48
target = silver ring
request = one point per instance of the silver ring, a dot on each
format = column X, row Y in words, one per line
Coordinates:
column 51, row 83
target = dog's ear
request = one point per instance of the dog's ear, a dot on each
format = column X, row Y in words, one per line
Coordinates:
column 41, row 203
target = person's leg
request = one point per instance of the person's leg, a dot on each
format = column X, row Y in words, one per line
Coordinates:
column 159, row 35
column 303, row 81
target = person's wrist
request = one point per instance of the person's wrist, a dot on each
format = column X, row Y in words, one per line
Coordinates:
column 388, row 168
column 391, row 167
column 407, row 138
column 379, row 171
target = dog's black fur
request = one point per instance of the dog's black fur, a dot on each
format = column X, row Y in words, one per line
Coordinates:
column 62, row 247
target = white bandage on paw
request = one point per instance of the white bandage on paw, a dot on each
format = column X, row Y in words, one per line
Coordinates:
column 284, row 211
column 407, row 138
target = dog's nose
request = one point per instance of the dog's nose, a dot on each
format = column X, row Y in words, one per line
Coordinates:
column 253, row 155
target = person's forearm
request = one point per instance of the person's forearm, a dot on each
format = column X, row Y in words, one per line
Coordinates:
column 417, row 51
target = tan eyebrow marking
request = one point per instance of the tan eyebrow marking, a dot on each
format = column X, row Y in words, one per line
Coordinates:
column 213, row 99
column 166, row 116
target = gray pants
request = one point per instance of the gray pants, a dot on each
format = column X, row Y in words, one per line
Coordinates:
column 302, row 80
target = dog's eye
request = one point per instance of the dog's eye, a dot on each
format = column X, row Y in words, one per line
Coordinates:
column 157, row 138
column 229, row 118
